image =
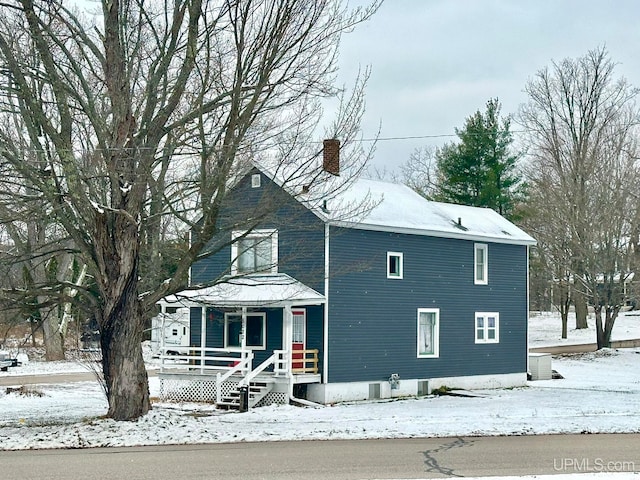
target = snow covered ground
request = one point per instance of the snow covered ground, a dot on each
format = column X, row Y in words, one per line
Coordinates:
column 600, row 393
column 545, row 329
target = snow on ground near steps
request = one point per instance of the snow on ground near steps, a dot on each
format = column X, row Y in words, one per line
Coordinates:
column 600, row 393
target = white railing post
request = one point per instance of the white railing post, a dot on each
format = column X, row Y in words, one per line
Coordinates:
column 218, row 387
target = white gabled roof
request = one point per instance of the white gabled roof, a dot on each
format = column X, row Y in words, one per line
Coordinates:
column 387, row 206
column 255, row 290
column 397, row 208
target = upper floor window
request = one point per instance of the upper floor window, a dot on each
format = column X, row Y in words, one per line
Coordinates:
column 481, row 262
column 394, row 265
column 487, row 327
column 428, row 332
column 257, row 251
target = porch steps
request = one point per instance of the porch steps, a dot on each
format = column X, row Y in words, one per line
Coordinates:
column 257, row 391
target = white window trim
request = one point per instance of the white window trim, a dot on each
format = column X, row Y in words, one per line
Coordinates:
column 485, row 267
column 255, row 180
column 272, row 233
column 485, row 329
column 401, row 265
column 249, row 347
column 436, row 333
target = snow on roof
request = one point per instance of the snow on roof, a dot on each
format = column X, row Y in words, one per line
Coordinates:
column 356, row 202
column 256, row 290
column 397, row 208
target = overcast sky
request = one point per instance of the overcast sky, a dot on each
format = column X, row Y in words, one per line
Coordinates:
column 435, row 62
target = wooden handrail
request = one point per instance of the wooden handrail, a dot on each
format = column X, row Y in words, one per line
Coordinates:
column 305, row 360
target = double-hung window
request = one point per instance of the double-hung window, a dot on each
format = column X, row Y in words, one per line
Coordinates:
column 394, row 265
column 487, row 327
column 428, row 332
column 254, row 252
column 481, row 264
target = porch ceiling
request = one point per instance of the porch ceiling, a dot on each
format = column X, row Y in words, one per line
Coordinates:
column 256, row 290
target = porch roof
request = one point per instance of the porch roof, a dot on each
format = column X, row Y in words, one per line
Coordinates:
column 255, row 290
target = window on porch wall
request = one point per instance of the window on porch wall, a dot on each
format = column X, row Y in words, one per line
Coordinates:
column 255, row 335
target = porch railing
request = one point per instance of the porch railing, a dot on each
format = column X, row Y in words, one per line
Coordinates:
column 205, row 360
column 308, row 361
column 225, row 363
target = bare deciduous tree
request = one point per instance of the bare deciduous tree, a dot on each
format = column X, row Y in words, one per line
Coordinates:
column 420, row 171
column 150, row 115
column 582, row 130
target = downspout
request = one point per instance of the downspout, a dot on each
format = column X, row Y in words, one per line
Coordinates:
column 528, row 313
column 325, row 327
column 302, row 401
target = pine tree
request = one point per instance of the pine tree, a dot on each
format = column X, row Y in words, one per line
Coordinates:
column 480, row 170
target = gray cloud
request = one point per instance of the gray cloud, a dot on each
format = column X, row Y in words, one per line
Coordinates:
column 435, row 62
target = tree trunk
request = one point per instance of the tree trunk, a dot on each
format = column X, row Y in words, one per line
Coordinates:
column 601, row 340
column 611, row 313
column 53, row 338
column 580, row 304
column 120, row 317
column 564, row 308
column 125, row 375
column 564, row 316
column 34, row 329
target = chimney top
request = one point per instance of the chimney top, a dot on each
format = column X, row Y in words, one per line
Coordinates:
column 331, row 156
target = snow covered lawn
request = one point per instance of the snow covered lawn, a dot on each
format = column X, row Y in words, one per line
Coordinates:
column 600, row 393
column 545, row 329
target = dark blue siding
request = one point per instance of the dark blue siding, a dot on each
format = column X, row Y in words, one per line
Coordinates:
column 300, row 234
column 315, row 337
column 215, row 329
column 373, row 320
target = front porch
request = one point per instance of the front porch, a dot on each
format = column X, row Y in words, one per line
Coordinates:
column 253, row 342
column 218, row 375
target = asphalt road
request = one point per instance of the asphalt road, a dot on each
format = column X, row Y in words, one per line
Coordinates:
column 349, row 459
column 46, row 378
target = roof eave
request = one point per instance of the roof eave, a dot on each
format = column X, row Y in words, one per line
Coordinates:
column 435, row 233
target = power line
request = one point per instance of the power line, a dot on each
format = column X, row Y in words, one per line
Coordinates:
column 424, row 137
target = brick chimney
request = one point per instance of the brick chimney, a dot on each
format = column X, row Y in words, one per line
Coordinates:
column 331, row 156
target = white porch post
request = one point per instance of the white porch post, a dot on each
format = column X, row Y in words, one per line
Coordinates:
column 203, row 337
column 287, row 334
column 243, row 337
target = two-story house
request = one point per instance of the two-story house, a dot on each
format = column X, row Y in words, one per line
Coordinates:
column 373, row 293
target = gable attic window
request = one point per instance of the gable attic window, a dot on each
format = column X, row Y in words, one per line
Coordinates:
column 257, row 251
column 255, row 180
column 394, row 265
column 481, row 264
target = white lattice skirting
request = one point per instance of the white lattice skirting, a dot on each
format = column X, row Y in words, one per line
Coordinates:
column 196, row 390
column 272, row 398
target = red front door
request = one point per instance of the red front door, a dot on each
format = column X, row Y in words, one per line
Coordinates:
column 298, row 339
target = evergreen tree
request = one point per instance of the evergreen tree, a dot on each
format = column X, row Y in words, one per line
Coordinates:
column 480, row 170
